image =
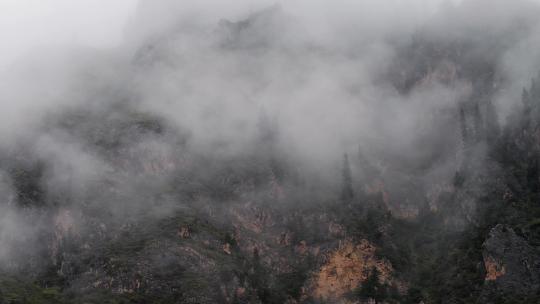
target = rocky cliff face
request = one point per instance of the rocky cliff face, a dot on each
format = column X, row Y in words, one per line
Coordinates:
column 512, row 265
column 346, row 269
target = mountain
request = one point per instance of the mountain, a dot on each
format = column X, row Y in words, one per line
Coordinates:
column 256, row 162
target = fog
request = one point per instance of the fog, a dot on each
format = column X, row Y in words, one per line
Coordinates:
column 27, row 24
column 327, row 75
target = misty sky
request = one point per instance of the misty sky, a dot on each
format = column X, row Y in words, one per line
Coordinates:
column 25, row 24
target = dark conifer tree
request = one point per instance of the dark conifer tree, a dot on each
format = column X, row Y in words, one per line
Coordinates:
column 478, row 124
column 526, row 100
column 372, row 288
column 347, row 193
column 492, row 126
column 533, row 175
column 367, row 172
column 463, row 127
column 464, row 149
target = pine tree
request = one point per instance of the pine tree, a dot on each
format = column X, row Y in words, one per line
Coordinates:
column 478, row 123
column 463, row 154
column 259, row 276
column 268, row 130
column 347, row 193
column 525, row 138
column 533, row 175
column 372, row 288
column 526, row 100
column 493, row 129
column 463, row 127
column 534, row 103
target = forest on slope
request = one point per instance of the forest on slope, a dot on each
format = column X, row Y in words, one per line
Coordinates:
column 260, row 159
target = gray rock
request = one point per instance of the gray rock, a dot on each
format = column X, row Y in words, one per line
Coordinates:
column 512, row 265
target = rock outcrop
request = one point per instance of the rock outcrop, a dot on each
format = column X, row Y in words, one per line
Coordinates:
column 512, row 265
column 346, row 268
